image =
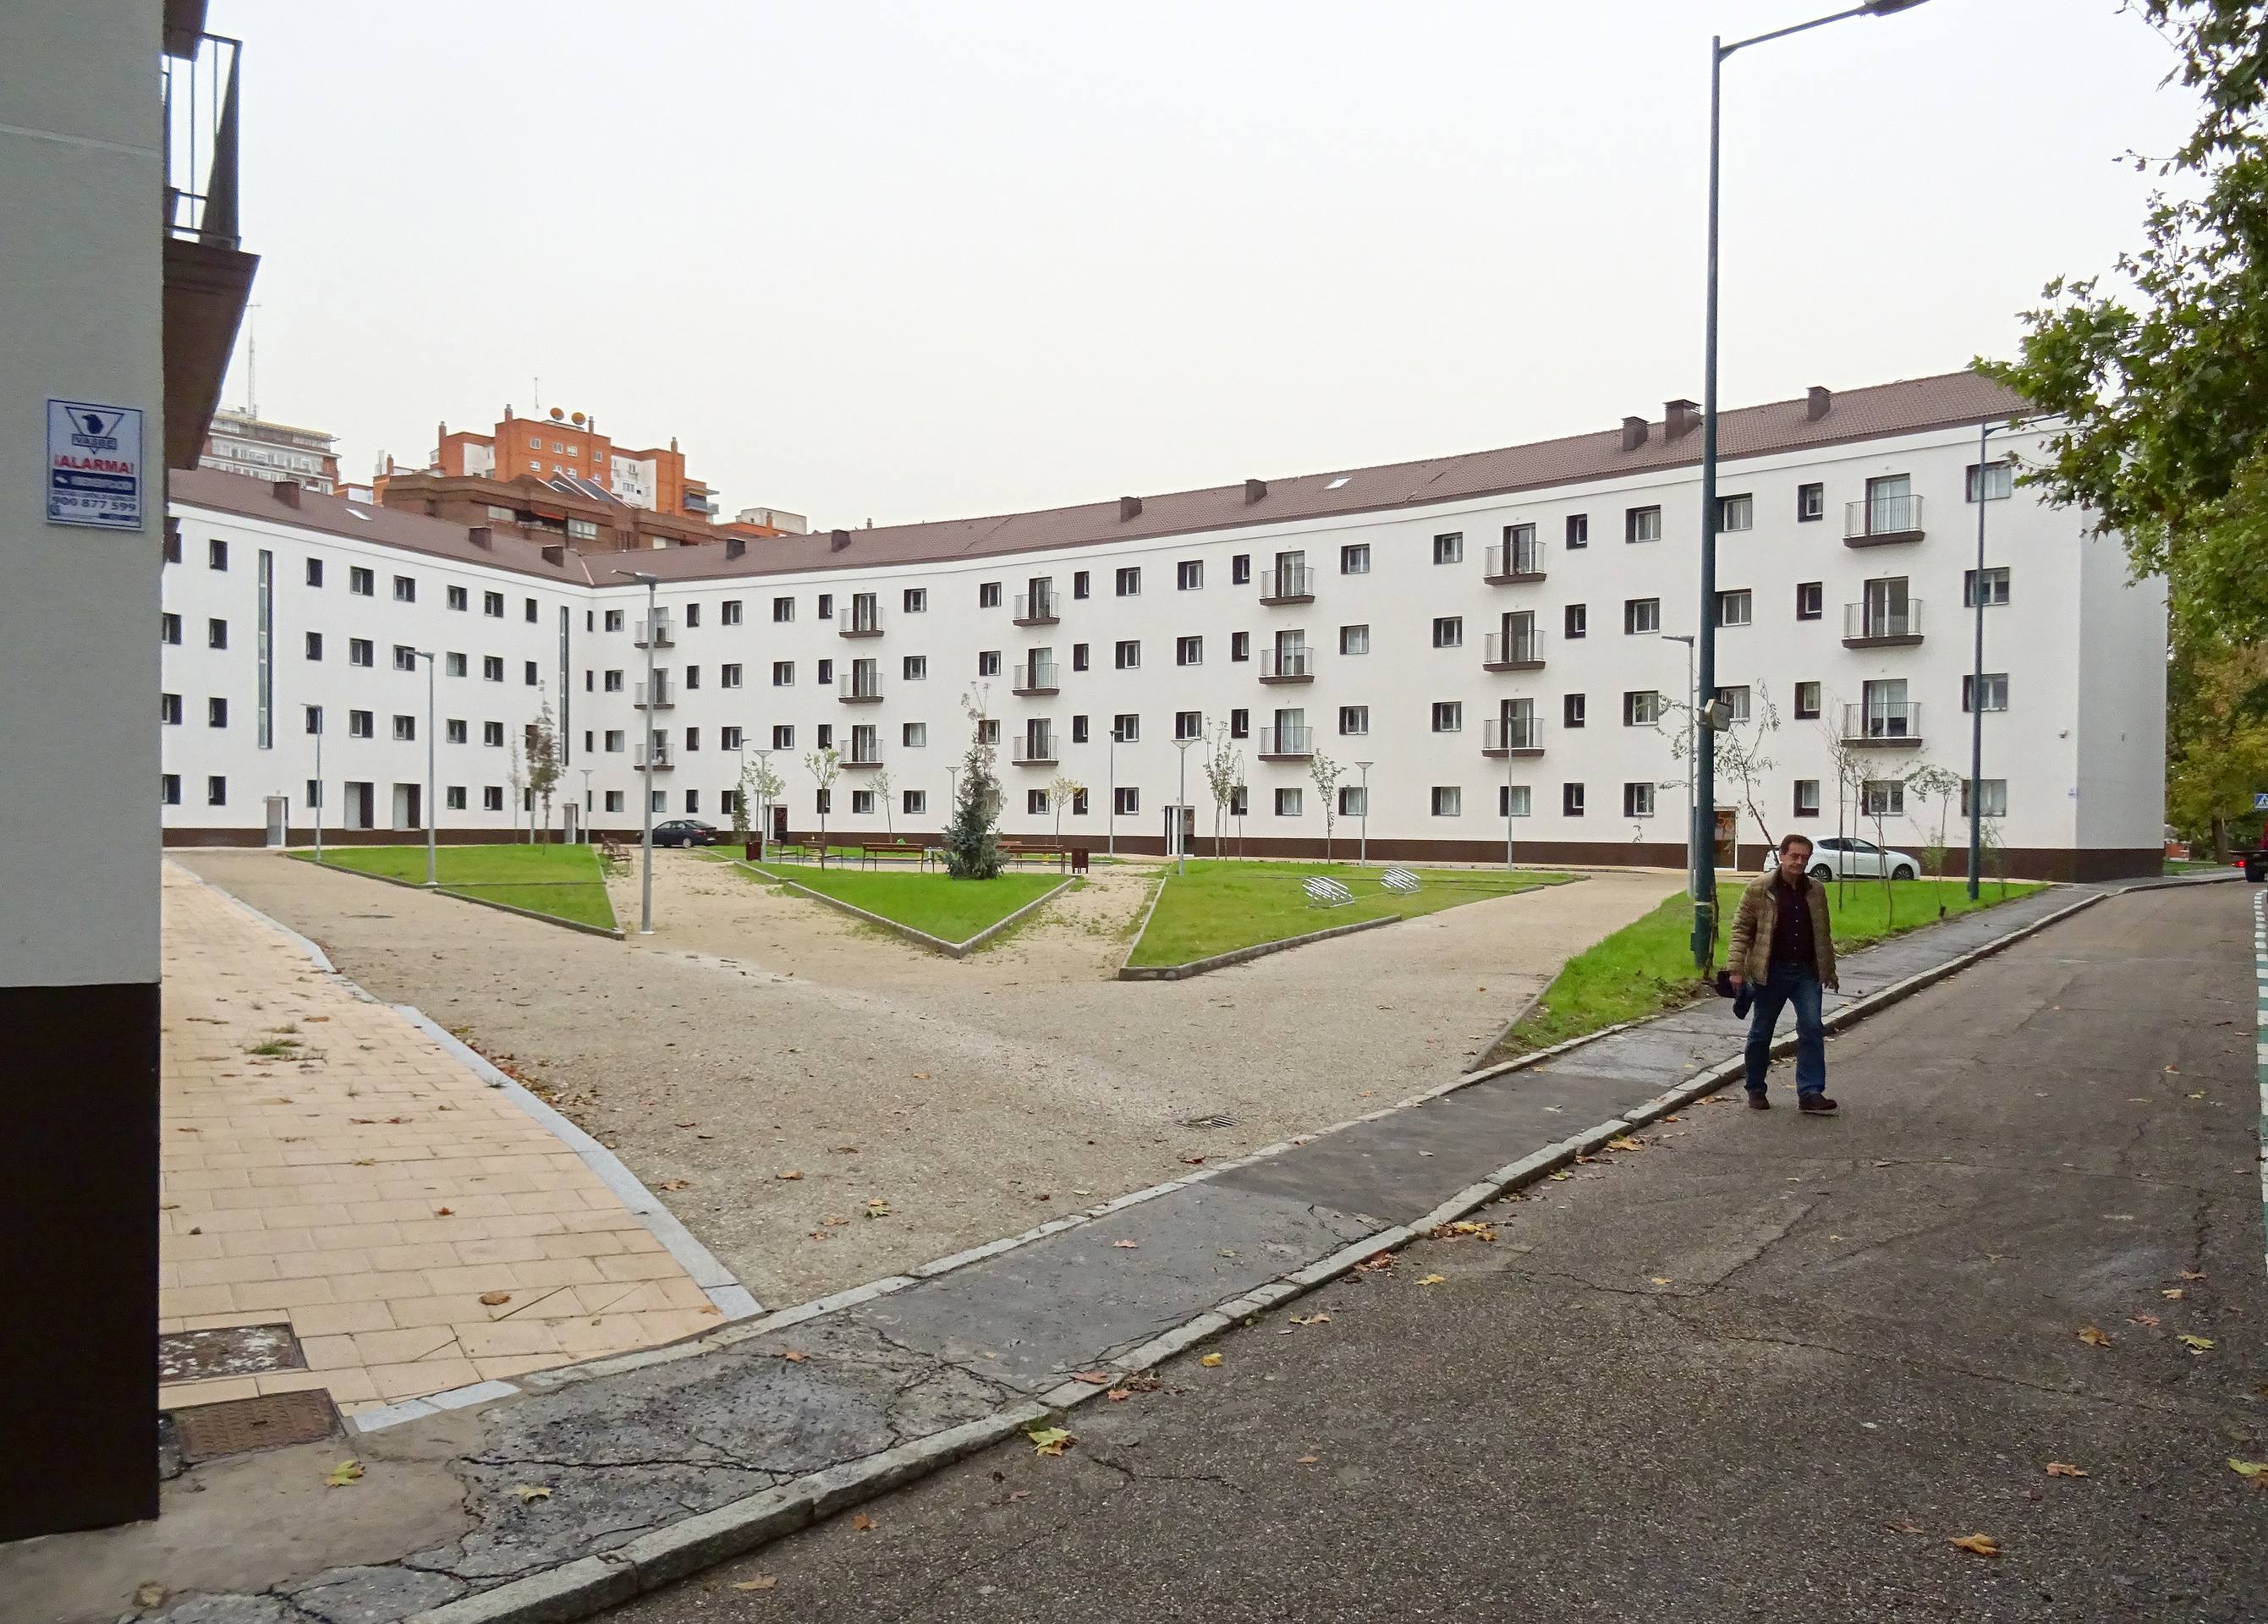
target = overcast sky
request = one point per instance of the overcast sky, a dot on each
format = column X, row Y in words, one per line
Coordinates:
column 923, row 262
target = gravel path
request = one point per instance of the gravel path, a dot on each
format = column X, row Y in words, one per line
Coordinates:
column 757, row 1035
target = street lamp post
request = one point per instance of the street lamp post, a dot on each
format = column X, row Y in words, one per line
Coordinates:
column 585, row 819
column 1701, row 836
column 646, row 787
column 1112, row 826
column 432, row 807
column 319, row 789
column 1692, row 699
column 764, row 801
column 1180, row 808
column 1364, row 858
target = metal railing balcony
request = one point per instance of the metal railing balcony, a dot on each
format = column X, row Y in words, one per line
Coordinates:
column 860, row 687
column 1286, row 744
column 1036, row 609
column 1869, row 625
column 1033, row 677
column 654, row 758
column 1034, row 749
column 1287, row 584
column 1519, row 563
column 663, row 697
column 1511, row 736
column 1287, row 666
column 200, row 113
column 659, row 631
column 862, row 752
column 864, row 621
column 1879, row 519
column 1882, row 724
column 1522, row 650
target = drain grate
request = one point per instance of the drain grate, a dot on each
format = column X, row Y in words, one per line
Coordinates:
column 241, row 1425
column 228, row 1350
column 1219, row 1119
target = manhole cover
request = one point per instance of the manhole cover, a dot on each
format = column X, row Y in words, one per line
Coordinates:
column 207, row 1431
column 1219, row 1119
column 230, row 1350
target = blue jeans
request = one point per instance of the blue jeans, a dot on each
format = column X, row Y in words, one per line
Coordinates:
column 1797, row 984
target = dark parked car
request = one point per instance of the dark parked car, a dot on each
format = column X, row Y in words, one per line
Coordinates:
column 685, row 832
column 2256, row 866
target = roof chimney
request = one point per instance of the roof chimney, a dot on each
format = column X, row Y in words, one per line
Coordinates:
column 1633, row 433
column 1679, row 418
column 1128, row 507
column 734, row 546
column 1254, row 489
column 1818, row 404
column 837, row 539
column 481, row 537
column 287, row 492
column 554, row 553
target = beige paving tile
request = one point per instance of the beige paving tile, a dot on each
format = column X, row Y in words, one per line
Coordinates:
column 219, row 1390
column 340, row 1318
column 409, row 1381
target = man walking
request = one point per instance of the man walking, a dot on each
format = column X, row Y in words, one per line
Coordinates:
column 1784, row 946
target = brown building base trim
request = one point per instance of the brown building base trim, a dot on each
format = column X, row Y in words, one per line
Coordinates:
column 78, row 1182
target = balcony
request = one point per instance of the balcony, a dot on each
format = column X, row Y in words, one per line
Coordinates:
column 1036, row 609
column 1034, row 679
column 1882, row 521
column 655, row 758
column 864, row 621
column 1881, row 625
column 1034, row 749
column 658, row 631
column 863, row 753
column 1520, row 650
column 1517, row 565
column 1287, row 584
column 1882, row 726
column 1286, row 744
column 207, row 274
column 860, row 687
column 664, row 697
column 1511, row 736
column 1286, row 666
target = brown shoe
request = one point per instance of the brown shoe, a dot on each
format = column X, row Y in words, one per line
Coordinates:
column 1757, row 1100
column 1818, row 1104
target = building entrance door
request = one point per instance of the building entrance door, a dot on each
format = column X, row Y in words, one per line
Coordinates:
column 279, row 811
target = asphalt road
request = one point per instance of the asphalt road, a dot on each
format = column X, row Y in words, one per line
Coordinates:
column 1766, row 1367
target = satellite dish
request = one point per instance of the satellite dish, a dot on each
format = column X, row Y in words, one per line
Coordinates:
column 557, row 414
column 579, row 419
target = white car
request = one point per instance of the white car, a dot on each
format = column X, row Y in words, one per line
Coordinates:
column 1836, row 855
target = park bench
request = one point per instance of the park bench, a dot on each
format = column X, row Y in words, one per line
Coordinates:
column 1035, row 851
column 875, row 852
column 1324, row 892
column 613, row 853
column 1399, row 880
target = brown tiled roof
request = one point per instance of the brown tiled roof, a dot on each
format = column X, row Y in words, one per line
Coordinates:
column 1909, row 406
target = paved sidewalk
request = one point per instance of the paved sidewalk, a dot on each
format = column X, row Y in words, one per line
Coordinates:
column 358, row 1182
column 588, row 1485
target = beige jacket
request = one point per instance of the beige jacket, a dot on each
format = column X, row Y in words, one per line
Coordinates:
column 1752, row 931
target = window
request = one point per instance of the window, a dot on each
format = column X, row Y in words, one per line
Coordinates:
column 862, row 801
column 1126, row 728
column 492, row 735
column 360, row 724
column 1999, row 485
column 405, row 659
column 1240, row 722
column 1512, row 800
column 405, row 730
column 1189, row 651
column 1637, row 800
column 492, row 605
column 1883, row 798
column 783, row 611
column 782, row 735
column 169, row 550
column 613, row 620
column 692, row 738
column 1810, row 600
column 1289, row 802
column 1240, row 800
column 1570, row 800
column 1240, row 646
column 1579, row 619
column 456, row 731
column 217, row 554
column 1735, row 513
column 169, row 709
column 1079, row 729
column 915, row 668
column 1996, row 588
column 827, row 606
column 456, row 797
column 782, row 673
column 1240, row 569
column 614, row 800
column 1188, row 575
column 988, row 662
column 217, row 636
column 1450, row 548
column 729, row 612
column 1127, row 801
column 1130, row 581
column 216, row 713
column 1079, row 583
column 823, row 677
column 314, row 572
column 1993, row 803
column 728, row 675
column 1571, row 711
column 1642, row 524
column 361, row 651
column 1807, row 702
column 492, row 798
column 313, row 715
column 1035, row 802
column 1354, row 721
column 988, row 594
column 1736, row 700
column 914, row 735
column 1129, row 654
column 1810, row 502
column 1448, row 631
column 1579, row 532
column 988, row 732
column 1354, row 559
column 1736, row 607
column 916, row 801
column 169, row 631
column 491, row 667
column 169, row 788
column 362, row 583
column 314, row 645
column 614, row 737
column 1806, row 797
column 405, row 589
column 728, row 738
column 1641, row 708
column 459, row 599
column 215, row 791
column 1354, row 639
column 1354, row 801
column 917, row 600
column 1078, row 657
column 1448, row 716
column 1188, row 724
column 1641, row 616
column 1996, row 692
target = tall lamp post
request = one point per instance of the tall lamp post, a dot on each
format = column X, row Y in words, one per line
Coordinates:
column 1692, row 700
column 645, row 783
column 319, row 786
column 1701, row 836
column 1112, row 825
column 764, row 801
column 1365, row 767
column 1181, row 798
column 584, row 821
column 432, row 808
column 1985, row 433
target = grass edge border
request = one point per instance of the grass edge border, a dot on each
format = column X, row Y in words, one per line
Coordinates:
column 920, row 938
column 614, row 934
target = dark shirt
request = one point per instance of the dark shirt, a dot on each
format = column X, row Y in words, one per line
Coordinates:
column 1790, row 937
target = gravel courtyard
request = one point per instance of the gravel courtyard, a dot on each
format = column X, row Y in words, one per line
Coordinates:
column 770, row 1067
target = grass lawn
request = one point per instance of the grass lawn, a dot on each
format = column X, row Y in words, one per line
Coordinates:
column 1646, row 967
column 2193, row 865
column 562, row 881
column 1218, row 906
column 951, row 910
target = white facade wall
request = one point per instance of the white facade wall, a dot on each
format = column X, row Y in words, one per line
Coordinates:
column 2080, row 747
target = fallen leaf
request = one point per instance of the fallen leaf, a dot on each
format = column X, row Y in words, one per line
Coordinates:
column 1309, row 1460
column 364, row 1161
column 445, row 1212
column 2191, row 1273
column 1127, row 1246
column 1979, row 1544
column 1560, row 1178
column 1905, row 1528
column 343, row 1473
column 2064, row 1468
column 877, row 1209
column 1316, row 1318
column 2172, row 1292
column 1625, row 1143
column 763, row 1583
column 1210, row 1360
column 2194, row 1344
column 1661, row 1280
column 2248, row 1468
column 677, row 1184
column 1464, row 1228
column 531, row 1491
column 1094, row 1378
column 149, row 1595
column 1049, row 1440
column 787, row 1175
column 1433, row 1280
column 862, row 1524
column 1193, row 1161
column 493, row 1299
column 2144, row 1319
column 794, row 1357
column 2092, row 1337
column 919, row 1076
column 1118, row 1395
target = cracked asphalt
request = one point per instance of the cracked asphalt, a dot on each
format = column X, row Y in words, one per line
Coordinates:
column 1765, row 1366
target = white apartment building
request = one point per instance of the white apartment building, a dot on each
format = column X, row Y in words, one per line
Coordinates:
column 1492, row 633
column 240, row 442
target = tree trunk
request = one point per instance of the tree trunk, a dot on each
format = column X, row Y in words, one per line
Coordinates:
column 2219, row 838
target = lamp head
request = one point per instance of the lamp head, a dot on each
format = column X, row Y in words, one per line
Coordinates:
column 1886, row 8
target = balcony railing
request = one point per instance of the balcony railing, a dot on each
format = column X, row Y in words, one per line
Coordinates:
column 201, row 141
column 1877, row 625
column 1036, row 609
column 1879, row 520
column 864, row 621
column 654, row 758
column 1521, row 561
column 1287, row 584
column 1511, row 736
column 1893, row 725
column 657, row 631
column 1521, row 649
column 855, row 687
column 862, row 752
column 663, row 697
column 1286, row 666
column 1286, row 744
column 1033, row 677
column 1034, row 749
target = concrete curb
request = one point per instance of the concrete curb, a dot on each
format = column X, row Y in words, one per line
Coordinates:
column 920, row 938
column 1149, row 911
column 615, row 935
column 1242, row 955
